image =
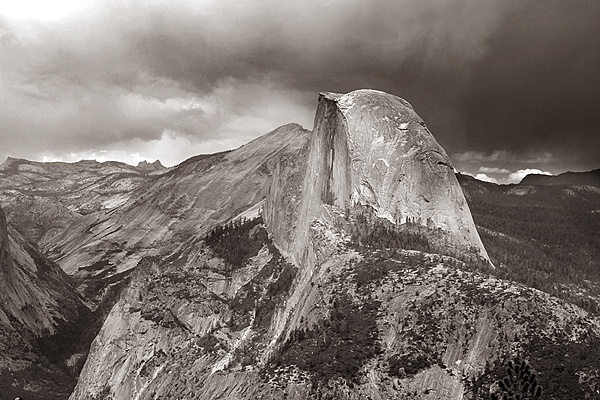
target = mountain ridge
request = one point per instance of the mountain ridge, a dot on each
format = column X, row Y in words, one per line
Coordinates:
column 43, row 199
column 544, row 236
column 183, row 205
column 591, row 177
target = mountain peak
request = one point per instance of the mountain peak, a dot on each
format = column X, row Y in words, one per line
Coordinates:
column 366, row 96
column 146, row 166
column 370, row 149
column 9, row 163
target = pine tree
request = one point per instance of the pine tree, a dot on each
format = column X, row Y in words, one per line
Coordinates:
column 519, row 383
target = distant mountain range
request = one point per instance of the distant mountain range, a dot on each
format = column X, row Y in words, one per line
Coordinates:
column 568, row 178
column 43, row 198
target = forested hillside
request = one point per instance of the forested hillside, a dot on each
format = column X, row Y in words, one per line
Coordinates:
column 547, row 237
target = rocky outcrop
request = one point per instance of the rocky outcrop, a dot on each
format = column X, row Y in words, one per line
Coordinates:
column 34, row 292
column 145, row 166
column 370, row 149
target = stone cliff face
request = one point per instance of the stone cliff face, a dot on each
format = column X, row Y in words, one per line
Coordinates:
column 31, row 287
column 370, row 149
column 37, row 305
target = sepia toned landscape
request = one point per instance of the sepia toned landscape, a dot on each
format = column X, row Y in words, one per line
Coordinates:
column 301, row 201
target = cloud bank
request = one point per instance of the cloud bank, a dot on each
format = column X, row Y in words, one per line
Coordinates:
column 502, row 81
column 502, row 176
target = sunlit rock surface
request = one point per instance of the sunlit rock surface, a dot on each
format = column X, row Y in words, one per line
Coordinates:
column 169, row 215
column 370, row 148
column 309, row 314
column 433, row 330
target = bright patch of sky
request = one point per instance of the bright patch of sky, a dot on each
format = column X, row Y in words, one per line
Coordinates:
column 45, row 11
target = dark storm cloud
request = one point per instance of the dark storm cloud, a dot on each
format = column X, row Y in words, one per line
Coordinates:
column 514, row 76
column 487, row 77
column 313, row 47
column 538, row 84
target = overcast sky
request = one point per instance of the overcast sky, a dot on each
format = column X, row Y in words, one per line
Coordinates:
column 505, row 86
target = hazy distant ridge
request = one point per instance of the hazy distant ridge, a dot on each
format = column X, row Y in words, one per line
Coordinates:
column 567, row 178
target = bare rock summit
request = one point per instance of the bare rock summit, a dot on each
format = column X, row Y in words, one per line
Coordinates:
column 149, row 167
column 371, row 149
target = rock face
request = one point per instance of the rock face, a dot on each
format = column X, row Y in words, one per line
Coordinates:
column 37, row 305
column 371, row 149
column 293, row 308
column 288, row 304
column 32, row 288
column 170, row 214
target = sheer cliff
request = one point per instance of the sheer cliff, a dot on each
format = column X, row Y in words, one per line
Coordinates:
column 39, row 311
column 370, row 149
column 307, row 299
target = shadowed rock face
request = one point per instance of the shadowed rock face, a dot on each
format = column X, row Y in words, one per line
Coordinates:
column 34, row 293
column 4, row 254
column 40, row 313
column 370, row 148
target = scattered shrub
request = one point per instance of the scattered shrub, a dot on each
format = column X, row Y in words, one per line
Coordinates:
column 408, row 365
column 372, row 232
